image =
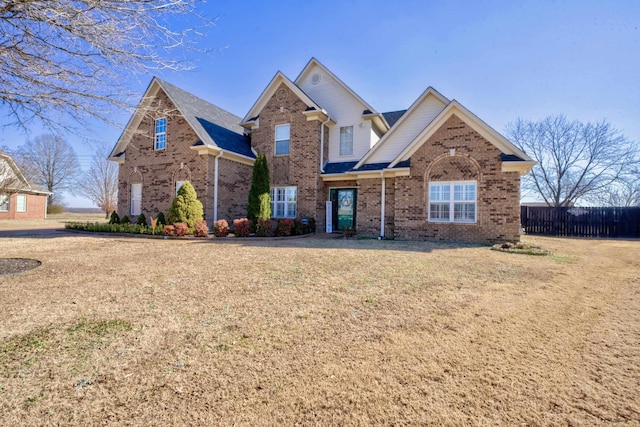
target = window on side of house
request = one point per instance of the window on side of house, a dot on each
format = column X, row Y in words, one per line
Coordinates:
column 178, row 185
column 4, row 203
column 346, row 141
column 21, row 203
column 284, row 202
column 453, row 201
column 136, row 199
column 160, row 134
column 283, row 133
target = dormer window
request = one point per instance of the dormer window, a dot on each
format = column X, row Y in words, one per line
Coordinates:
column 346, row 141
column 161, row 134
column 283, row 133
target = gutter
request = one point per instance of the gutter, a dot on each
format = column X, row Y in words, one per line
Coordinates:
column 382, row 205
column 215, row 186
column 322, row 143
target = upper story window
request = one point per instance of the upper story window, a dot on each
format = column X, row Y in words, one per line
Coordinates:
column 283, row 133
column 21, row 203
column 161, row 134
column 4, row 203
column 453, row 201
column 346, row 141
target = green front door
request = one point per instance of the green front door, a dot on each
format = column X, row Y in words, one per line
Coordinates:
column 343, row 202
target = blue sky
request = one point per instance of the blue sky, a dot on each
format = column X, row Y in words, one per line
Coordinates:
column 500, row 59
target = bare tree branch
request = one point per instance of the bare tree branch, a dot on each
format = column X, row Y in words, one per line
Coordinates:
column 67, row 61
column 50, row 162
column 100, row 182
column 576, row 161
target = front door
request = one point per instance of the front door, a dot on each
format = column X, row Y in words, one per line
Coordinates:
column 343, row 202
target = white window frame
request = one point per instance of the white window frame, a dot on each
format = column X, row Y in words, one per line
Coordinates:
column 288, row 139
column 21, row 203
column 346, row 144
column 453, row 201
column 160, row 134
column 136, row 203
column 284, row 200
column 178, row 185
column 4, row 205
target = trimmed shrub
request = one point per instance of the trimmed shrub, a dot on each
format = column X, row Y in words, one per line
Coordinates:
column 285, row 227
column 259, row 187
column 298, row 227
column 182, row 228
column 161, row 220
column 125, row 220
column 241, row 227
column 221, row 228
column 114, row 219
column 142, row 220
column 185, row 206
column 201, row 228
column 264, row 228
column 169, row 230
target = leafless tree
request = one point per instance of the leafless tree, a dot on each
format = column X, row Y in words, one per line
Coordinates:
column 50, row 162
column 64, row 61
column 575, row 160
column 100, row 182
column 623, row 193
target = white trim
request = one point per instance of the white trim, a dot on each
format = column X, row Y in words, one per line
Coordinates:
column 428, row 92
column 455, row 108
column 451, row 202
column 18, row 197
column 275, row 138
column 382, row 205
column 215, row 188
column 268, row 92
column 284, row 202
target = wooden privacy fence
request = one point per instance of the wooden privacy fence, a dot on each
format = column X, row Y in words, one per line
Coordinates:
column 581, row 222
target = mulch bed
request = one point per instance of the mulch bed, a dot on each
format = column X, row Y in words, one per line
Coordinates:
column 11, row 266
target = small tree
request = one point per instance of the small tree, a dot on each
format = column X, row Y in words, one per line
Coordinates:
column 185, row 207
column 259, row 187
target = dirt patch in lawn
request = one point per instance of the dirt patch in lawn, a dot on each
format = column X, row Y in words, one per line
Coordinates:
column 154, row 332
column 10, row 266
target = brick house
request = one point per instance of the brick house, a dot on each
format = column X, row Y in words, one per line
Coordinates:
column 433, row 171
column 173, row 137
column 19, row 199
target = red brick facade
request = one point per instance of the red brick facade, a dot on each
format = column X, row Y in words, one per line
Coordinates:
column 159, row 170
column 36, row 207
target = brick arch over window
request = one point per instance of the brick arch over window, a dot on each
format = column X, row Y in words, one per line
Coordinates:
column 182, row 173
column 453, row 168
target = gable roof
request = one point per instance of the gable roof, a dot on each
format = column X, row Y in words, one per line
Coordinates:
column 267, row 93
column 400, row 119
column 12, row 179
column 216, row 127
column 368, row 110
column 516, row 157
column 393, row 116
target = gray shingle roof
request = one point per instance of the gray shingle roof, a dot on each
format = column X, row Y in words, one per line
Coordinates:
column 213, row 125
column 393, row 116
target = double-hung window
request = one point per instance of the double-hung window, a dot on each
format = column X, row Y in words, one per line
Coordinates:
column 283, row 133
column 283, row 202
column 4, row 202
column 346, row 141
column 453, row 201
column 136, row 199
column 21, row 203
column 160, row 134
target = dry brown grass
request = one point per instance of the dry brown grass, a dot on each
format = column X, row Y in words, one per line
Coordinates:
column 330, row 332
column 52, row 221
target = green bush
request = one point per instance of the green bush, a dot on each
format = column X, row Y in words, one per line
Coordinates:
column 125, row 220
column 185, row 207
column 259, row 186
column 142, row 220
column 114, row 219
column 161, row 219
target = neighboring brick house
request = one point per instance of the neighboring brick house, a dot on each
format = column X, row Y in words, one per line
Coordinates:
column 433, row 171
column 19, row 199
column 173, row 137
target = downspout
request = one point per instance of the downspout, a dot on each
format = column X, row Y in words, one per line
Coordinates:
column 322, row 143
column 382, row 203
column 215, row 187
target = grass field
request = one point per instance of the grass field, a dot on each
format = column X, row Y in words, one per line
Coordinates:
column 319, row 332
